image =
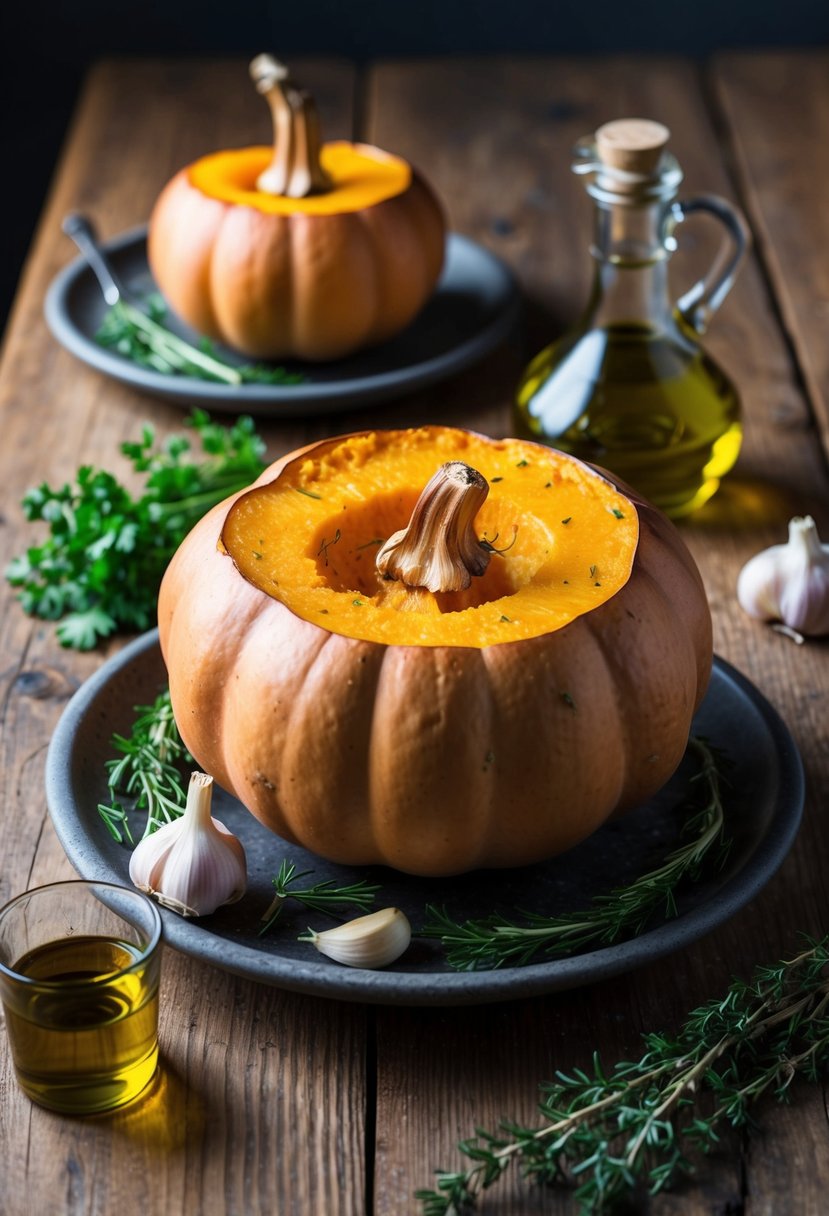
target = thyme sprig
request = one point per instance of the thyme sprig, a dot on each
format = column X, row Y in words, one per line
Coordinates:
column 497, row 940
column 323, row 896
column 147, row 771
column 612, row 1133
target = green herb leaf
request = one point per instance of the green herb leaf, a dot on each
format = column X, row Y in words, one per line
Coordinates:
column 499, row 940
column 148, row 771
column 144, row 339
column 614, row 1131
column 100, row 566
column 324, row 896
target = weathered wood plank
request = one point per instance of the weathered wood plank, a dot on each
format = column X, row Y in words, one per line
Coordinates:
column 777, row 109
column 260, row 1105
column 495, row 139
column 238, row 1129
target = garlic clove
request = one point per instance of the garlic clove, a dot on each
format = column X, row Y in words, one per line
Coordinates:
column 790, row 583
column 193, row 865
column 369, row 941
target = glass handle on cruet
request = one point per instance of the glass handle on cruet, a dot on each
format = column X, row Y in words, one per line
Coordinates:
column 701, row 301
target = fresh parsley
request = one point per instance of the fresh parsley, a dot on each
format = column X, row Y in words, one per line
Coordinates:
column 100, row 567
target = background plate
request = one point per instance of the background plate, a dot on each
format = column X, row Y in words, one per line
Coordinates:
column 473, row 308
column 764, row 804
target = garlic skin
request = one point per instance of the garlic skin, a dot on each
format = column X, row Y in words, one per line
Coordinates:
column 790, row 583
column 369, row 941
column 193, row 865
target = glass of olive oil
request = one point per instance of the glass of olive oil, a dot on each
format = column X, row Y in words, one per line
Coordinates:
column 79, row 974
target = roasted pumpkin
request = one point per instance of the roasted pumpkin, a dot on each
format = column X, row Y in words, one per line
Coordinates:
column 301, row 251
column 546, row 680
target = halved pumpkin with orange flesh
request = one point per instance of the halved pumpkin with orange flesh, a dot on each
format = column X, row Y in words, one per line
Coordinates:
column 301, row 250
column 435, row 650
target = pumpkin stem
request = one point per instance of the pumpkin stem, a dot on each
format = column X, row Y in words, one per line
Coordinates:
column 439, row 549
column 295, row 171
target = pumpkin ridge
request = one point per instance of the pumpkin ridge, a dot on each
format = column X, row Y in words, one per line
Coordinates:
column 680, row 630
column 465, row 749
column 240, row 763
column 686, row 570
column 682, row 652
column 595, row 623
column 491, row 758
column 375, row 318
column 306, row 810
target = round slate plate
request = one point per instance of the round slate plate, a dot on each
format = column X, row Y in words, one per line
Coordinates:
column 473, row 308
column 764, row 801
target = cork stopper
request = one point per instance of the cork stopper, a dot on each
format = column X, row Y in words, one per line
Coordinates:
column 631, row 146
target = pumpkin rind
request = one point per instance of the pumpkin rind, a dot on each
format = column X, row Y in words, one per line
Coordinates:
column 436, row 759
column 296, row 285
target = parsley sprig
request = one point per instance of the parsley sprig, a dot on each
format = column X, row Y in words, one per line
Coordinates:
column 100, row 567
column 144, row 339
column 611, row 1133
column 498, row 940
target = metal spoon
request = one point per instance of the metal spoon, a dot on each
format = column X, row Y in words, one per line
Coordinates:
column 82, row 231
column 174, row 350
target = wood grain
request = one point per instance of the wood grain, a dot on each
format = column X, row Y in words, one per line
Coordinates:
column 260, row 1104
column 776, row 107
column 274, row 1103
column 495, row 137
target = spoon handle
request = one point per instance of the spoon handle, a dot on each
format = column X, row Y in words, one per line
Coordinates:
column 82, row 232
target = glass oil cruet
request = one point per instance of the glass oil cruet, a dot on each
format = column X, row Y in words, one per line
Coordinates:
column 630, row 388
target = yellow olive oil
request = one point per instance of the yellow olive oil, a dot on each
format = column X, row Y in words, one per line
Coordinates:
column 640, row 401
column 83, row 1033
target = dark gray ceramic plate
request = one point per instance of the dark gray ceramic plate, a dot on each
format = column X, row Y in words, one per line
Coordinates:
column 764, row 803
column 472, row 310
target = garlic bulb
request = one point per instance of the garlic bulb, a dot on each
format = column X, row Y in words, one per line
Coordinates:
column 194, row 864
column 790, row 583
column 369, row 941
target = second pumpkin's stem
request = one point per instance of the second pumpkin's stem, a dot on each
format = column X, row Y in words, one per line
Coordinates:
column 439, row 549
column 295, row 171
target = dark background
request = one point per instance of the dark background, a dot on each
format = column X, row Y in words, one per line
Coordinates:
column 46, row 47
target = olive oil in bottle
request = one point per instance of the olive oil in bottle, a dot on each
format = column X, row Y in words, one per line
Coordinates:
column 631, row 388
column 83, row 1033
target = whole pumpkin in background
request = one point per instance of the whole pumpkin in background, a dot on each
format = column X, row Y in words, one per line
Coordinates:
column 304, row 250
column 546, row 680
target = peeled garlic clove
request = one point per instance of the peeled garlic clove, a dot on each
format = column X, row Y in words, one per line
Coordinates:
column 790, row 583
column 369, row 941
column 193, row 865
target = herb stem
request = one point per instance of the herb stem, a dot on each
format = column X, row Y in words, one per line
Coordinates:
column 497, row 940
column 325, row 896
column 176, row 348
column 612, row 1132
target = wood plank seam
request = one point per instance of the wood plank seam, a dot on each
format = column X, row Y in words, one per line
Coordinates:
column 735, row 165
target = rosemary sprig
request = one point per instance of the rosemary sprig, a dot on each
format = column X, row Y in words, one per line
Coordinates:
column 143, row 338
column 498, row 940
column 321, row 897
column 611, row 1133
column 147, row 771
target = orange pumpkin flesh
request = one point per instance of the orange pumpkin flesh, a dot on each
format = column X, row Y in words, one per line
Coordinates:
column 310, row 537
column 317, row 277
column 436, row 733
column 361, row 176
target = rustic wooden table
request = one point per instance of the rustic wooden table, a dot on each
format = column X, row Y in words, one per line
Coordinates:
column 272, row 1102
